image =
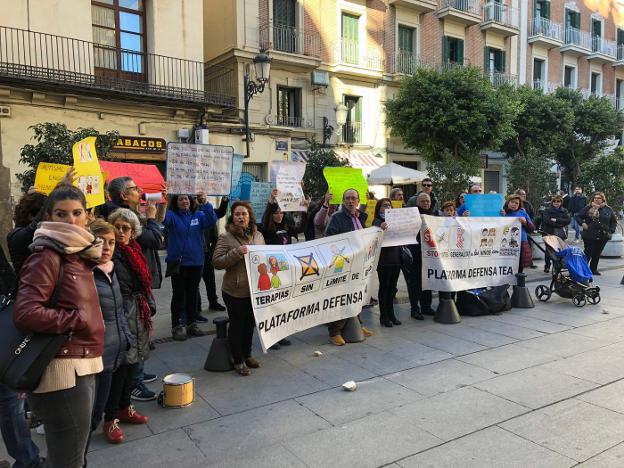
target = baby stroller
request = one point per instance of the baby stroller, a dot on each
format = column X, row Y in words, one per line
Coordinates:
column 571, row 276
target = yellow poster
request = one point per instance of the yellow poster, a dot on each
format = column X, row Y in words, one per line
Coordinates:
column 341, row 179
column 48, row 176
column 90, row 179
column 370, row 210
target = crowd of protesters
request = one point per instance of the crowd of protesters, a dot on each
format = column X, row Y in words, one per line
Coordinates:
column 104, row 266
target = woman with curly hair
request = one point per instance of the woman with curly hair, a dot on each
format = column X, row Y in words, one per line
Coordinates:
column 27, row 215
column 513, row 208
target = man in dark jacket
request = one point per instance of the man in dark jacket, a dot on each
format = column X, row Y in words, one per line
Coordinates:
column 427, row 187
column 125, row 193
column 578, row 201
column 348, row 218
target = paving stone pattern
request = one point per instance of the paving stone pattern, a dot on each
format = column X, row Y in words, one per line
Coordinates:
column 542, row 387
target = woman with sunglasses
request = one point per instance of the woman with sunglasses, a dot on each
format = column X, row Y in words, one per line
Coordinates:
column 555, row 220
column 598, row 222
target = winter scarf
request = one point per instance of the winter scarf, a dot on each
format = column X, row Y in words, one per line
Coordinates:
column 68, row 239
column 594, row 209
column 133, row 254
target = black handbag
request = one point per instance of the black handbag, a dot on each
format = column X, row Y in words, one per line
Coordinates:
column 23, row 356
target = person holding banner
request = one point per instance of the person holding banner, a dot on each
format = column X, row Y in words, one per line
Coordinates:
column 423, row 299
column 348, row 218
column 461, row 209
column 388, row 270
column 240, row 232
column 185, row 261
column 448, row 209
column 513, row 208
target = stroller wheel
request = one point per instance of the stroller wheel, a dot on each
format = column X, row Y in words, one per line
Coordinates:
column 593, row 298
column 579, row 300
column 543, row 293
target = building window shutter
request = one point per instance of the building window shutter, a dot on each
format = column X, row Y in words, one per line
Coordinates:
column 486, row 59
column 446, row 49
column 502, row 65
column 460, row 51
column 546, row 10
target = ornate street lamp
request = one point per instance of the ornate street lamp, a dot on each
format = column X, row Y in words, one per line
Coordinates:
column 262, row 69
column 341, row 119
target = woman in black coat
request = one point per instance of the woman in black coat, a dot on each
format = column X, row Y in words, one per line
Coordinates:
column 555, row 220
column 599, row 223
column 388, row 270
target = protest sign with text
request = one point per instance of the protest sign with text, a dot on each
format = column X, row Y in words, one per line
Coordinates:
column 468, row 253
column 296, row 287
column 90, row 179
column 403, row 226
column 259, row 194
column 341, row 179
column 48, row 176
column 199, row 168
column 288, row 183
column 370, row 210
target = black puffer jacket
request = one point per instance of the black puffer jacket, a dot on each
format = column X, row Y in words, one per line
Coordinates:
column 599, row 228
column 561, row 220
column 117, row 336
column 18, row 240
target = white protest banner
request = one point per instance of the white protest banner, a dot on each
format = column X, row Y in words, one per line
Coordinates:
column 199, row 168
column 468, row 253
column 403, row 226
column 288, row 183
column 296, row 287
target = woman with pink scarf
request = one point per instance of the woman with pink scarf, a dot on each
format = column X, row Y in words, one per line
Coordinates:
column 598, row 222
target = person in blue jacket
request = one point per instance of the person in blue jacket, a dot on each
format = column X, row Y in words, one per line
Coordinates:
column 185, row 244
column 513, row 208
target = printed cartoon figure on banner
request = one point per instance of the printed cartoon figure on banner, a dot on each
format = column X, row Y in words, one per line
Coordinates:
column 90, row 179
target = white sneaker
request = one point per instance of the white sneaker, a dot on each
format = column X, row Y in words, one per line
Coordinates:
column 40, row 429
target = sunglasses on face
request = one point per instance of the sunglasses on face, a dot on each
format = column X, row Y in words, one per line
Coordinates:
column 427, row 185
column 124, row 229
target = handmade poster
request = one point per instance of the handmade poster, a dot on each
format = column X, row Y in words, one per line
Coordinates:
column 276, row 166
column 403, row 226
column 146, row 176
column 237, row 169
column 370, row 210
column 296, row 287
column 341, row 179
column 468, row 253
column 48, row 175
column 484, row 204
column 199, row 168
column 90, row 180
column 290, row 195
column 259, row 196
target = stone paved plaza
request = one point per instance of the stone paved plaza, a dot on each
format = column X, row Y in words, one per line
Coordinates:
column 540, row 387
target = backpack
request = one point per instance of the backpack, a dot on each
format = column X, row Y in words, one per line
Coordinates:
column 484, row 301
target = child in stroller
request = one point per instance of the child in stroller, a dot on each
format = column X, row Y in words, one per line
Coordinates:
column 571, row 276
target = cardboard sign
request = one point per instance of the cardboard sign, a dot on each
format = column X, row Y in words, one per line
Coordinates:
column 259, row 196
column 484, row 204
column 194, row 168
column 370, row 210
column 403, row 226
column 290, row 195
column 48, row 176
column 90, row 180
column 341, row 179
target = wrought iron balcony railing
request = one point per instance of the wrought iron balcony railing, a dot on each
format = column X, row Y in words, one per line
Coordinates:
column 603, row 46
column 47, row 59
column 288, row 39
column 574, row 36
column 501, row 13
column 352, row 132
column 546, row 28
column 350, row 52
column 500, row 78
column 467, row 6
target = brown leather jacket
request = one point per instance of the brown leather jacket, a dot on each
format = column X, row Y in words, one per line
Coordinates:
column 77, row 307
column 226, row 257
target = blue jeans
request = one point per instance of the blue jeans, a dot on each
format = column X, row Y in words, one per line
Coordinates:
column 137, row 378
column 15, row 430
column 577, row 228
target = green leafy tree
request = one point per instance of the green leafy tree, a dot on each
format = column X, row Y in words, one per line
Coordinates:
column 605, row 173
column 456, row 111
column 319, row 157
column 596, row 121
column 54, row 145
column 531, row 172
column 542, row 125
column 451, row 176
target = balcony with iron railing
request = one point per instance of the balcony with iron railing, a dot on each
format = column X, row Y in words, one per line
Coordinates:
column 282, row 38
column 577, row 42
column 406, row 63
column 501, row 18
column 283, row 120
column 501, row 78
column 464, row 11
column 46, row 60
column 354, row 54
column 546, row 86
column 352, row 133
column 545, row 32
column 603, row 51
